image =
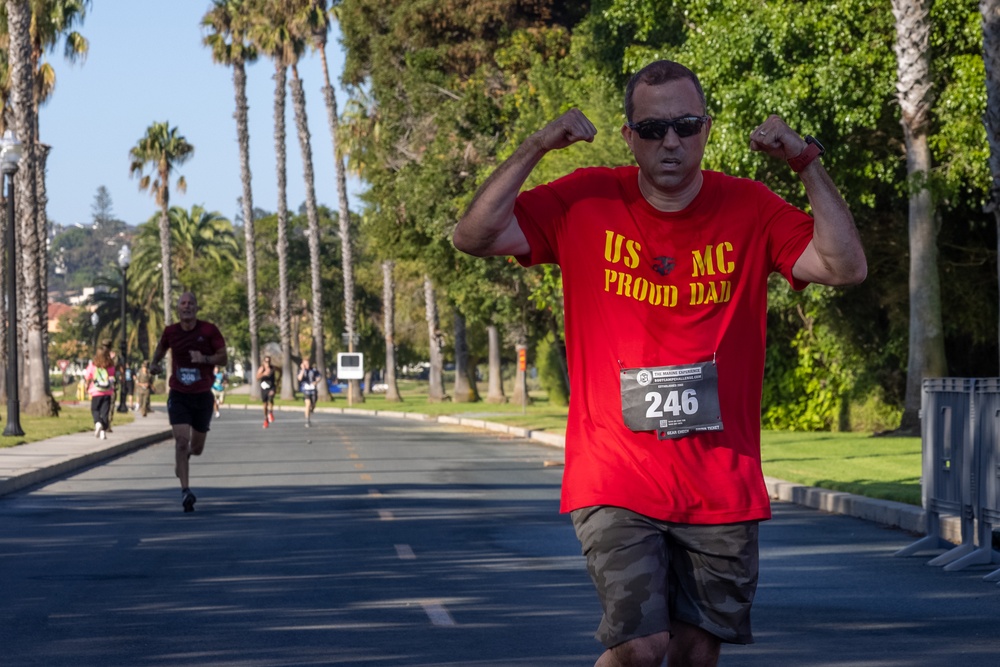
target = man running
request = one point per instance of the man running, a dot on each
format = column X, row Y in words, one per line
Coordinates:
column 308, row 377
column 196, row 347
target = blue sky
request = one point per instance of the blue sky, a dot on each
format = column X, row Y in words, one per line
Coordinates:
column 147, row 64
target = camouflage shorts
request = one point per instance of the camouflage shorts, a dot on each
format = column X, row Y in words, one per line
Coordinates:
column 648, row 572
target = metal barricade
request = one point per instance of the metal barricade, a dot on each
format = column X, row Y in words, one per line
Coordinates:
column 987, row 438
column 946, row 423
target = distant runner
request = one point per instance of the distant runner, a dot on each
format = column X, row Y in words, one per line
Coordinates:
column 308, row 378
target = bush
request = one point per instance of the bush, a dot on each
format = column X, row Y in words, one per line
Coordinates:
column 551, row 377
column 872, row 414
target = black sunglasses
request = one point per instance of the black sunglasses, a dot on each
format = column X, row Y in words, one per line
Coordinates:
column 685, row 126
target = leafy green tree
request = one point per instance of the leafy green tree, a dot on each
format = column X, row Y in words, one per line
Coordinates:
column 428, row 120
column 990, row 11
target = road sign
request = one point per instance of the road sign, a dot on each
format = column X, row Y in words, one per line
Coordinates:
column 350, row 366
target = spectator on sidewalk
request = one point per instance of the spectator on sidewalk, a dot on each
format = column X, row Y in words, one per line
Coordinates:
column 144, row 387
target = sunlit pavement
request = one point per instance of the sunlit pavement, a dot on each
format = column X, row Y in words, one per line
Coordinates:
column 390, row 541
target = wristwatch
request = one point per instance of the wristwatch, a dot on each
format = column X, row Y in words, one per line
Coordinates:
column 812, row 151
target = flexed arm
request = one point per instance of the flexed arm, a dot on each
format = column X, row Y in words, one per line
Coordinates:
column 835, row 255
column 489, row 227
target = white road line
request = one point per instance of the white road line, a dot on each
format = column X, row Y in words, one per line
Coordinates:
column 405, row 552
column 437, row 613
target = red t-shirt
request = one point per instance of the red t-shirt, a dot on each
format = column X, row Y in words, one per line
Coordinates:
column 186, row 376
column 645, row 288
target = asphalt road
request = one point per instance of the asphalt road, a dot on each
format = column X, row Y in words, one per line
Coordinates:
column 367, row 541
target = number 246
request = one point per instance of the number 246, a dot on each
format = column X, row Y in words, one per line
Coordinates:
column 675, row 402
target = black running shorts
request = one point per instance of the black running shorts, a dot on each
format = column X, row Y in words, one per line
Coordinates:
column 194, row 409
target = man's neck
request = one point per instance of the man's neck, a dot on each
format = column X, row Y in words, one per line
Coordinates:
column 675, row 200
column 188, row 325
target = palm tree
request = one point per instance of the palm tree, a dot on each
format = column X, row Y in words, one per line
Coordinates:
column 915, row 96
column 51, row 22
column 272, row 37
column 229, row 23
column 198, row 238
column 34, row 315
column 201, row 241
column 312, row 212
column 318, row 25
column 162, row 150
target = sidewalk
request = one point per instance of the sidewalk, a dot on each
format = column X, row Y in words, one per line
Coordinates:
column 38, row 462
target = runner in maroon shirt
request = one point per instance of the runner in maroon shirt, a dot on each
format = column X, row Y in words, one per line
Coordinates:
column 196, row 347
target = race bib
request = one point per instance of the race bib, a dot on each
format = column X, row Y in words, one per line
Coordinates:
column 265, row 385
column 188, row 375
column 674, row 401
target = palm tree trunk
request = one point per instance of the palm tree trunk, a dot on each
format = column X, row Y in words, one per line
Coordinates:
column 281, row 158
column 435, row 391
column 42, row 197
column 243, row 138
column 990, row 11
column 495, row 381
column 389, row 318
column 165, row 255
column 344, row 217
column 914, row 93
column 302, row 124
column 34, row 316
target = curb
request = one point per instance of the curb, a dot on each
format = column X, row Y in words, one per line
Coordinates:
column 72, row 462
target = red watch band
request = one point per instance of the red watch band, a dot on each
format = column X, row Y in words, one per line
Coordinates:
column 812, row 151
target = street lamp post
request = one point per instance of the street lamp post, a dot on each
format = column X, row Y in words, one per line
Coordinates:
column 124, row 259
column 10, row 155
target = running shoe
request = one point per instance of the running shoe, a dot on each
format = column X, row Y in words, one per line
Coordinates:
column 270, row 417
column 188, row 501
column 103, row 435
column 97, row 429
column 266, row 423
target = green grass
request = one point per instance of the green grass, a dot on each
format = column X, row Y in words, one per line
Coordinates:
column 71, row 419
column 885, row 468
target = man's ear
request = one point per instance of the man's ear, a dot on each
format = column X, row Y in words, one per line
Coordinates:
column 628, row 135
